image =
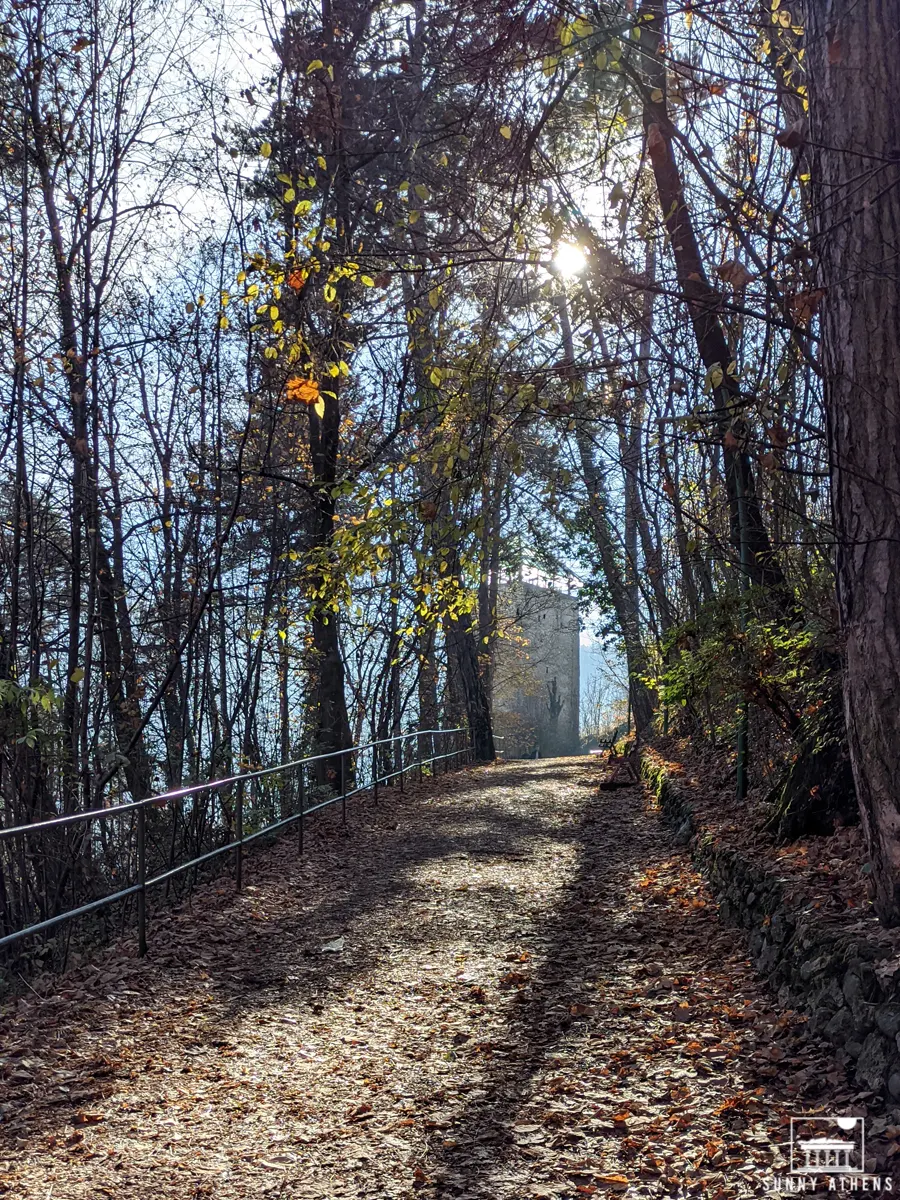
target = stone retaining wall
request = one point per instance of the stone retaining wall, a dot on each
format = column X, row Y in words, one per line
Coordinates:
column 848, row 982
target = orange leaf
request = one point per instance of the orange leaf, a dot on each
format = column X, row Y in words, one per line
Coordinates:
column 304, row 391
column 804, row 305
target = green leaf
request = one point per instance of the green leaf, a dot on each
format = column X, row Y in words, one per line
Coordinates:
column 77, row 675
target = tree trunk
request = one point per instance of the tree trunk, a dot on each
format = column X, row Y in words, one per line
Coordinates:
column 463, row 654
column 854, row 82
column 626, row 599
column 329, row 701
column 702, row 304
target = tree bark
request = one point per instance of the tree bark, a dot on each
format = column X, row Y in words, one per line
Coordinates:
column 854, row 82
column 463, row 653
column 625, row 597
column 702, row 300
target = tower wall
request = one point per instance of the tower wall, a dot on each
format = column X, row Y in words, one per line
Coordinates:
column 536, row 687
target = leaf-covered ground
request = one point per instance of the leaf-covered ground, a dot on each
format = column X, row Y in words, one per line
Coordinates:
column 505, row 984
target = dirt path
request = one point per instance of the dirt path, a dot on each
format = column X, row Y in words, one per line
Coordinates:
column 514, row 988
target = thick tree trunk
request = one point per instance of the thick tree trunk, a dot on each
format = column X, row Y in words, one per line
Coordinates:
column 463, row 654
column 429, row 710
column 329, row 701
column 854, row 81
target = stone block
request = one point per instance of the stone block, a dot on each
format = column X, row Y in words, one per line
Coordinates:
column 871, row 1066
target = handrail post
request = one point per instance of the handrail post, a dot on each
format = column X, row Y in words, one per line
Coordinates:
column 400, row 752
column 344, row 786
column 142, row 880
column 375, row 774
column 239, row 843
column 302, row 791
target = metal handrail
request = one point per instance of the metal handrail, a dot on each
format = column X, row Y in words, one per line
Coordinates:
column 139, row 888
column 114, row 810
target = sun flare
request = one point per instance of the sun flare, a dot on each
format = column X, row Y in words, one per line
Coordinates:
column 569, row 260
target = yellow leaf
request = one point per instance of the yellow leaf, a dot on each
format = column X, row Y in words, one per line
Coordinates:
column 289, row 195
column 367, row 280
column 321, row 161
column 77, row 675
column 314, row 65
column 265, row 149
column 319, row 408
column 506, row 131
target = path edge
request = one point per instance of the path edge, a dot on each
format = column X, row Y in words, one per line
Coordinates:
column 842, row 982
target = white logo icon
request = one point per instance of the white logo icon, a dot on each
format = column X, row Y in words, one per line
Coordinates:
column 827, row 1152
